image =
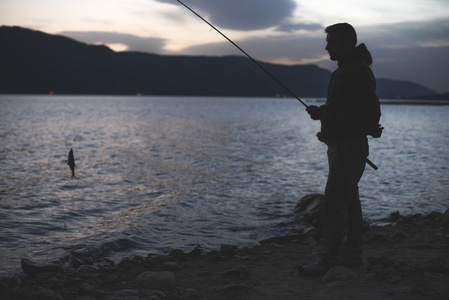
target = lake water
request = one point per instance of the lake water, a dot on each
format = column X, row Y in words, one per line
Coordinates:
column 157, row 173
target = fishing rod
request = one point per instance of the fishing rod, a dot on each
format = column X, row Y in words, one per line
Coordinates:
column 244, row 52
column 369, row 162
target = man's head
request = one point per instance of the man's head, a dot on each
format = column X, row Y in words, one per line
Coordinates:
column 341, row 40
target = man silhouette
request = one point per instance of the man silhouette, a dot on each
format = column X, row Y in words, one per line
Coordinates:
column 351, row 113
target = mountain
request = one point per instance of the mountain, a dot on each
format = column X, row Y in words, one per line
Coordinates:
column 36, row 62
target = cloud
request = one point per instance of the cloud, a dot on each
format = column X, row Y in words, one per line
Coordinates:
column 410, row 34
column 428, row 66
column 288, row 27
column 286, row 49
column 414, row 51
column 241, row 15
column 131, row 42
column 406, row 51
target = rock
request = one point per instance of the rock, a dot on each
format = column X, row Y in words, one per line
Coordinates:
column 77, row 259
column 382, row 260
column 339, row 273
column 237, row 273
column 128, row 263
column 410, row 219
column 160, row 259
column 445, row 218
column 195, row 253
column 398, row 235
column 366, row 226
column 375, row 237
column 171, row 265
column 32, row 268
column 433, row 216
column 394, row 279
column 124, row 298
column 156, row 280
column 177, row 253
column 87, row 269
column 233, row 288
column 310, row 206
column 45, row 293
column 228, row 250
column 395, row 216
column 126, row 293
column 401, row 291
column 281, row 239
column 87, row 288
column 154, row 295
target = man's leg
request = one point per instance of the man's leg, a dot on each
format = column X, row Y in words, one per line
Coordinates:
column 336, row 199
column 346, row 166
column 352, row 255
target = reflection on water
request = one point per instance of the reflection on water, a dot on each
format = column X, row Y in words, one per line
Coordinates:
column 155, row 173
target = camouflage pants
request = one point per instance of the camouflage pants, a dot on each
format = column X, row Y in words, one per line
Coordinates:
column 342, row 212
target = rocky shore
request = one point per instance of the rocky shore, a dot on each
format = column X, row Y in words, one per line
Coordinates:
column 408, row 259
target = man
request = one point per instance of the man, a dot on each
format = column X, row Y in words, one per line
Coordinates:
column 351, row 113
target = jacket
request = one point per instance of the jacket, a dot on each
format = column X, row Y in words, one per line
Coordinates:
column 352, row 107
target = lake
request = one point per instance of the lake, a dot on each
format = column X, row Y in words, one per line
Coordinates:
column 158, row 173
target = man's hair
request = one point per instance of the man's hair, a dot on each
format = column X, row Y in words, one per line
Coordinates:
column 345, row 30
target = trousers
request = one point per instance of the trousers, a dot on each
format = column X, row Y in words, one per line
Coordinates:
column 342, row 212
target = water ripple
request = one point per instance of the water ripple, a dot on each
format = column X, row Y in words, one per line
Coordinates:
column 156, row 173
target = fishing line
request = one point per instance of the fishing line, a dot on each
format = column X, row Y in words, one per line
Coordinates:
column 261, row 75
column 369, row 162
column 244, row 52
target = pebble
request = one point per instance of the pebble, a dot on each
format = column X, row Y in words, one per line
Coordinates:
column 228, row 250
column 87, row 288
column 171, row 265
column 237, row 273
column 86, row 268
column 156, row 280
column 126, row 293
column 32, row 268
column 339, row 273
column 45, row 293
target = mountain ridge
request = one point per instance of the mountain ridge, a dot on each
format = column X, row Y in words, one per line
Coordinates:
column 39, row 63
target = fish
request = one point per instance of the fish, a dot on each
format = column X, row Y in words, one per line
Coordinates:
column 71, row 163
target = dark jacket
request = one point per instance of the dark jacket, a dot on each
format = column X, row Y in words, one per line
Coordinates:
column 352, row 108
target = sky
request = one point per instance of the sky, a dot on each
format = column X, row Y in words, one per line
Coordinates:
column 408, row 39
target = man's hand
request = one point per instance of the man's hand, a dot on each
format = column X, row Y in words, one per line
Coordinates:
column 314, row 112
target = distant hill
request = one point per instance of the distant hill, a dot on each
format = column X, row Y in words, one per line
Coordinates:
column 40, row 63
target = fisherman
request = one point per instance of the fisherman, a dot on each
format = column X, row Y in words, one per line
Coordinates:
column 351, row 112
column 71, row 163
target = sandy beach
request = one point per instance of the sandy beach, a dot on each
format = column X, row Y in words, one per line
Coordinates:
column 408, row 259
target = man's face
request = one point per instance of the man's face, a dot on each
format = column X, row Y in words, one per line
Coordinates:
column 336, row 46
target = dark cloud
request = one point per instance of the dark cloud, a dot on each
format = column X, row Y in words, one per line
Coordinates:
column 134, row 43
column 410, row 34
column 243, row 15
column 428, row 66
column 411, row 51
column 294, row 27
column 416, row 52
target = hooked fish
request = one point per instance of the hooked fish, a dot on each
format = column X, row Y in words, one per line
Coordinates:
column 71, row 163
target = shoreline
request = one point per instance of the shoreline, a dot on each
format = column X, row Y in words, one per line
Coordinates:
column 405, row 260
